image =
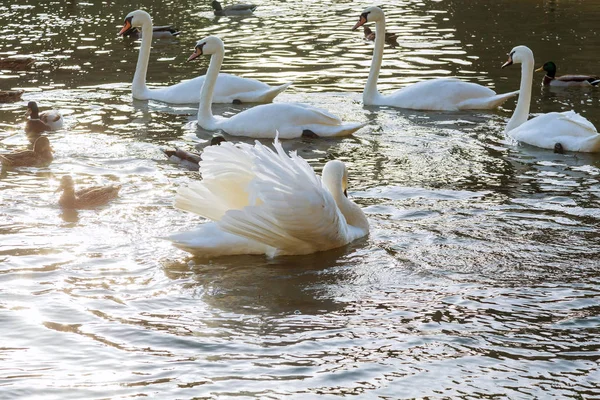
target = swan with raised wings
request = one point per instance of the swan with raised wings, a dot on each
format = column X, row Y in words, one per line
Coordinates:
column 444, row 94
column 228, row 89
column 567, row 131
column 262, row 201
column 290, row 120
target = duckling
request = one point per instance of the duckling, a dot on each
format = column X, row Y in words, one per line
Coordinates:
column 37, row 123
column 85, row 198
column 236, row 9
column 158, row 32
column 10, row 96
column 188, row 159
column 390, row 38
column 16, row 63
column 40, row 156
column 550, row 78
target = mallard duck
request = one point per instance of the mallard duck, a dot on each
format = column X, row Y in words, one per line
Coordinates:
column 550, row 79
column 50, row 120
column 10, row 96
column 40, row 156
column 390, row 38
column 188, row 159
column 85, row 198
column 236, row 9
column 158, row 32
column 16, row 63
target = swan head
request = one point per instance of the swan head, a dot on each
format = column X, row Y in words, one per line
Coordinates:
column 208, row 45
column 370, row 14
column 135, row 19
column 519, row 55
column 335, row 177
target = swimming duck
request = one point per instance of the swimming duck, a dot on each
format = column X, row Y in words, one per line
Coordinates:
column 16, row 63
column 236, row 9
column 85, row 198
column 188, row 159
column 40, row 156
column 51, row 119
column 269, row 202
column 558, row 131
column 390, row 38
column 550, row 79
column 10, row 96
column 158, row 32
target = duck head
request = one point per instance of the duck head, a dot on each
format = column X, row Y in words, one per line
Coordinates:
column 370, row 14
column 216, row 5
column 549, row 67
column 135, row 19
column 41, row 146
column 518, row 55
column 66, row 183
column 208, row 45
column 32, row 110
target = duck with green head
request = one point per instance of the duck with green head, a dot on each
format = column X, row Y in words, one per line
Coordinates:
column 550, row 79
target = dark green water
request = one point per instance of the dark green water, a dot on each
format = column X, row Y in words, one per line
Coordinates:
column 479, row 278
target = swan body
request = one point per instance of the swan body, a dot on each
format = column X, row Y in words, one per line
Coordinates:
column 291, row 120
column 550, row 79
column 228, row 89
column 568, row 129
column 444, row 94
column 262, row 201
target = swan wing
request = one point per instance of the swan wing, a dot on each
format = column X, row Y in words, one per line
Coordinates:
column 290, row 209
column 227, row 171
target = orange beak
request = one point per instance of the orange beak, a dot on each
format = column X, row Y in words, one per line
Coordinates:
column 195, row 54
column 509, row 62
column 360, row 23
column 125, row 28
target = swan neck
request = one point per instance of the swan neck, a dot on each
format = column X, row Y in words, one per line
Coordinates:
column 139, row 79
column 371, row 91
column 205, row 115
column 521, row 113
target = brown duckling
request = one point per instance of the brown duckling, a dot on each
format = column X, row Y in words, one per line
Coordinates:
column 85, row 198
column 188, row 159
column 10, row 96
column 16, row 63
column 390, row 38
column 40, row 156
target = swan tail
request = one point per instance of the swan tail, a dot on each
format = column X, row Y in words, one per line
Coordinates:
column 486, row 103
column 199, row 199
column 265, row 97
column 337, row 130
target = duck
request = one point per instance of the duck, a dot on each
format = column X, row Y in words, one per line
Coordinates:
column 261, row 201
column 558, row 131
column 189, row 159
column 158, row 32
column 390, row 38
column 52, row 120
column 229, row 88
column 39, row 156
column 10, row 96
column 444, row 94
column 236, row 9
column 550, row 79
column 91, row 197
column 288, row 120
column 16, row 63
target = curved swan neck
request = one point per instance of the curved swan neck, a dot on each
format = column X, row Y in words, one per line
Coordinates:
column 139, row 79
column 521, row 113
column 371, row 92
column 206, row 93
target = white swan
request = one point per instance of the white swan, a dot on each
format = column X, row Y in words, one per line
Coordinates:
column 291, row 120
column 445, row 94
column 266, row 202
column 561, row 131
column 229, row 88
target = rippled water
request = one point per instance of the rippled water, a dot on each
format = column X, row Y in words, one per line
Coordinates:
column 479, row 278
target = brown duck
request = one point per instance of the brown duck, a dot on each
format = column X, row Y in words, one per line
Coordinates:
column 390, row 38
column 40, row 156
column 16, row 63
column 10, row 96
column 85, row 198
column 188, row 159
